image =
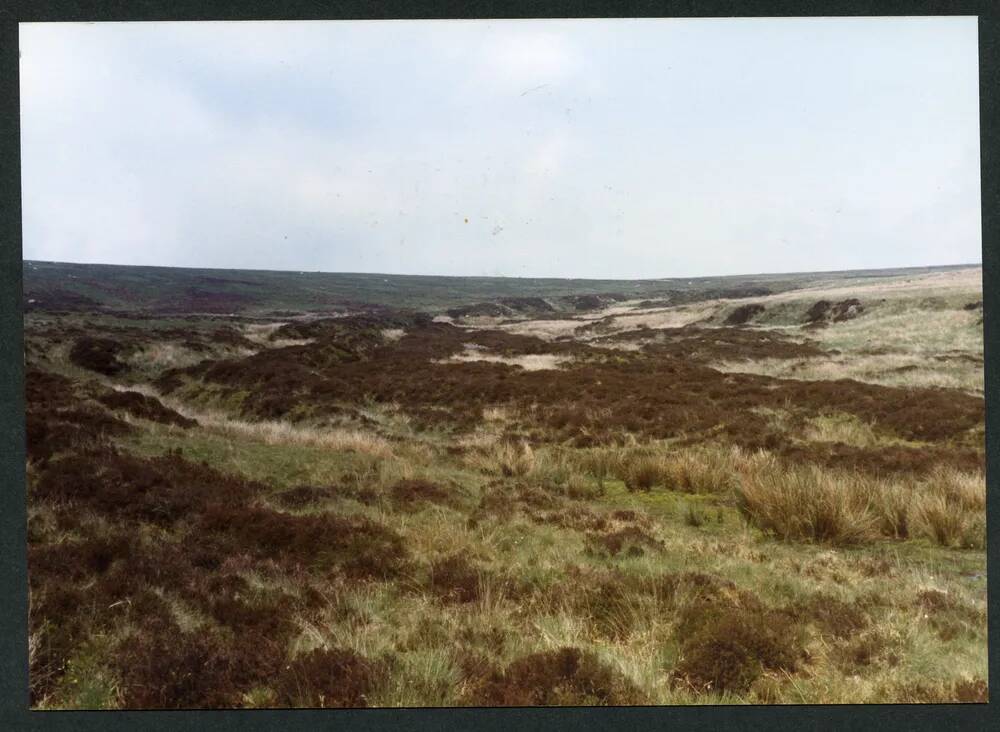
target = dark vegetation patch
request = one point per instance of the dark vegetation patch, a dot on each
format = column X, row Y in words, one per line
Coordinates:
column 196, row 299
column 744, row 314
column 726, row 647
column 630, row 541
column 658, row 394
column 824, row 311
column 716, row 344
column 145, row 407
column 164, row 667
column 161, row 490
column 454, row 579
column 501, row 500
column 728, row 638
column 106, row 574
column 523, row 307
column 359, row 546
column 327, row 678
column 57, row 300
column 354, row 333
column 98, row 354
column 965, row 691
column 882, row 459
column 867, row 650
column 302, row 496
column 59, row 417
column 593, row 302
column 481, row 309
column 834, row 617
column 947, row 615
column 684, row 297
column 563, row 677
column 977, row 305
column 109, row 580
column 414, row 494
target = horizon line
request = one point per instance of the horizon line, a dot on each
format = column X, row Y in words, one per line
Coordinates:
column 511, row 277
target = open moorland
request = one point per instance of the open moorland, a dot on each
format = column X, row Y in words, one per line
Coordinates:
column 251, row 489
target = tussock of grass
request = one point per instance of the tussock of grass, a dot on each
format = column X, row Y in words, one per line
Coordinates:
column 812, row 504
column 277, row 432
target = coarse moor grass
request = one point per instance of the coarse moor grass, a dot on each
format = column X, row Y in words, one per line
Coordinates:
column 652, row 502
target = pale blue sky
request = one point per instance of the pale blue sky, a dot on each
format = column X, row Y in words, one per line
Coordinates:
column 591, row 148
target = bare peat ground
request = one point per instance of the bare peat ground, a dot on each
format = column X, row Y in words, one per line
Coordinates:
column 769, row 495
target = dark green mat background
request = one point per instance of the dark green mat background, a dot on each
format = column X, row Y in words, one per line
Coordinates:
column 14, row 712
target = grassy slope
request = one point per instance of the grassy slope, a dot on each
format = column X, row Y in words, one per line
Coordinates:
column 873, row 620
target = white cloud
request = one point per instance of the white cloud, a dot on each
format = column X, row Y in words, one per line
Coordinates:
column 598, row 148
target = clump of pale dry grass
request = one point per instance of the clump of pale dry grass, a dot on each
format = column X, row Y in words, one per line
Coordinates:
column 810, row 503
column 274, row 432
column 707, row 470
column 815, row 504
column 951, row 509
column 528, row 362
column 511, row 459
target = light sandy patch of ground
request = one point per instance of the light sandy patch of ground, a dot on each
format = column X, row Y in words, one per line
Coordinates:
column 547, row 330
column 393, row 334
column 172, row 355
column 260, row 333
column 530, row 362
column 888, row 370
column 676, row 317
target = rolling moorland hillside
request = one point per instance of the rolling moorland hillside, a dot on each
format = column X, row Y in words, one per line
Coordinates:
column 276, row 489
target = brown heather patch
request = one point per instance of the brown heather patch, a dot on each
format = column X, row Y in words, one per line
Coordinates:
column 884, row 459
column 162, row 667
column 454, row 579
column 160, row 490
column 327, row 678
column 413, row 494
column 563, row 677
column 867, row 651
column 949, row 616
column 598, row 397
column 744, row 314
column 630, row 541
column 59, row 418
column 727, row 648
column 110, row 580
column 302, row 496
column 716, row 344
column 578, row 518
column 361, row 547
column 501, row 500
column 965, row 691
column 144, row 407
column 834, row 617
column 98, row 354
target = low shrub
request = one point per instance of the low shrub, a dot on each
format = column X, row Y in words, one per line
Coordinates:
column 97, row 354
column 563, row 677
column 145, row 407
column 727, row 648
column 327, row 678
